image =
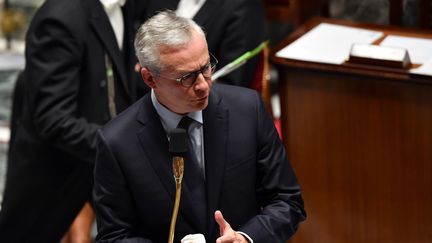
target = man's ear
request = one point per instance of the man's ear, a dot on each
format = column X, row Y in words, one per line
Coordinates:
column 148, row 77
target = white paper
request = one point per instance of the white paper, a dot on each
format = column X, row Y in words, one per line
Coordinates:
column 327, row 43
column 419, row 49
column 425, row 69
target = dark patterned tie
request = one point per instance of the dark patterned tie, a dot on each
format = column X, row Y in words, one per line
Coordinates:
column 194, row 177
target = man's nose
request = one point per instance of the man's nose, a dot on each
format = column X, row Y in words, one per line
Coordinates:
column 201, row 82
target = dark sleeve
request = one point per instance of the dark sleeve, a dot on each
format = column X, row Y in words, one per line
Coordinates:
column 17, row 107
column 244, row 30
column 53, row 64
column 278, row 191
column 115, row 211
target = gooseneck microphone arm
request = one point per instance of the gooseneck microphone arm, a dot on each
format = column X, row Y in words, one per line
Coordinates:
column 177, row 148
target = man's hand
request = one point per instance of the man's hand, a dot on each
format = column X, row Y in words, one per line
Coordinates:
column 228, row 235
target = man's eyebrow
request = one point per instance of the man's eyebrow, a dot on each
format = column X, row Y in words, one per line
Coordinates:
column 197, row 70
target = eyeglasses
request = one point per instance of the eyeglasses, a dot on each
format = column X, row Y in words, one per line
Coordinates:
column 189, row 79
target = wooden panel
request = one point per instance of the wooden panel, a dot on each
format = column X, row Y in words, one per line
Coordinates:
column 360, row 141
column 280, row 10
column 362, row 152
column 295, row 11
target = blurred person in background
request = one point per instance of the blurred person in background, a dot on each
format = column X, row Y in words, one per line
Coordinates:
column 79, row 74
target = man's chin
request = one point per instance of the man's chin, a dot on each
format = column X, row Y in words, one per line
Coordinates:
column 201, row 105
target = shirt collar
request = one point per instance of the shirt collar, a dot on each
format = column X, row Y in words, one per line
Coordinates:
column 170, row 119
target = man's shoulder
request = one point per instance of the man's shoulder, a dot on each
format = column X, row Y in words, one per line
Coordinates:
column 228, row 88
column 233, row 92
column 125, row 122
column 71, row 15
column 72, row 10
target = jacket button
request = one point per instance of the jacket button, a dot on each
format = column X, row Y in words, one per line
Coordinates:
column 102, row 83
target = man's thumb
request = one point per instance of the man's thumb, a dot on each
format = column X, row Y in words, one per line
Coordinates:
column 220, row 221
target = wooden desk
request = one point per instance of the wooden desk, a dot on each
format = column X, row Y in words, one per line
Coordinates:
column 360, row 141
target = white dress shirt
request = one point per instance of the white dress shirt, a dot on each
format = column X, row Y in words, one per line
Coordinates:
column 115, row 15
column 170, row 120
column 188, row 8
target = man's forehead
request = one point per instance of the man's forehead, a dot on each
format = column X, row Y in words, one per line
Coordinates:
column 172, row 62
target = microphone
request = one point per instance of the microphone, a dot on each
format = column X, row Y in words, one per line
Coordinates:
column 178, row 146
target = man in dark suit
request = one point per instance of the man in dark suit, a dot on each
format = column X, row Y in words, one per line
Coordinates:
column 78, row 75
column 250, row 190
column 232, row 28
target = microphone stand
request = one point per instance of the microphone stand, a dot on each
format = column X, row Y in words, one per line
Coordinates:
column 177, row 147
column 178, row 169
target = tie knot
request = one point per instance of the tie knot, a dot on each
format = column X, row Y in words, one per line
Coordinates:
column 185, row 123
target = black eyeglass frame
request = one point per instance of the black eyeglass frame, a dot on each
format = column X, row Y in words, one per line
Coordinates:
column 213, row 62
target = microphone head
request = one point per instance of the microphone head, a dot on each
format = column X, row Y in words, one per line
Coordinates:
column 178, row 141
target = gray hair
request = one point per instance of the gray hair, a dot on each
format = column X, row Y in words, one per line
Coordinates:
column 164, row 29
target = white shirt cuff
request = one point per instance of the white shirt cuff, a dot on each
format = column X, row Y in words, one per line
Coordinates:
column 245, row 235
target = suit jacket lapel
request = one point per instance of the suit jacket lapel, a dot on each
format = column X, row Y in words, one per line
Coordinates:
column 215, row 141
column 155, row 144
column 102, row 27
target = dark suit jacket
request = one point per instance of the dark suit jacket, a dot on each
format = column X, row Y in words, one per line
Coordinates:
column 63, row 92
column 232, row 27
column 248, row 176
